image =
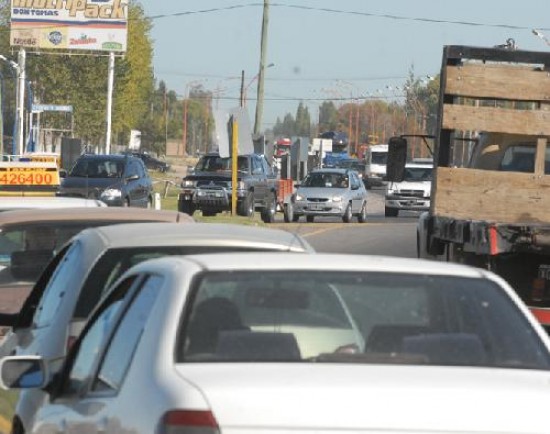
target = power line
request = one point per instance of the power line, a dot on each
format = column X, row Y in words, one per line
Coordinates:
column 350, row 12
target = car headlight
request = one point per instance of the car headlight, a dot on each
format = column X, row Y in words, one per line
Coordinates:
column 188, row 183
column 299, row 197
column 111, row 193
column 337, row 199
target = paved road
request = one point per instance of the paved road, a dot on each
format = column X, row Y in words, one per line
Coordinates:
column 379, row 236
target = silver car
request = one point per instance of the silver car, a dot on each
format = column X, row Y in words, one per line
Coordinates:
column 73, row 283
column 289, row 343
column 330, row 193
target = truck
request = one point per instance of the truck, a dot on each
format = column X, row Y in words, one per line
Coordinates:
column 376, row 158
column 209, row 187
column 413, row 192
column 490, row 192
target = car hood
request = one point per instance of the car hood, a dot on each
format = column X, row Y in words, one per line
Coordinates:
column 336, row 398
column 321, row 192
column 97, row 183
column 224, row 175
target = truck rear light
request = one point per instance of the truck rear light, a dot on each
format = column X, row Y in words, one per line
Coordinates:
column 189, row 422
column 539, row 285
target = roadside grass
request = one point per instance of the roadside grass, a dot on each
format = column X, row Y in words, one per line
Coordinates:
column 8, row 400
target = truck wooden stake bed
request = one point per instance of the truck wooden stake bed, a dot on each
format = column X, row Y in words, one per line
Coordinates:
column 490, row 198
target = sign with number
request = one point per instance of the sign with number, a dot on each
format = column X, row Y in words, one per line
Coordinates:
column 28, row 176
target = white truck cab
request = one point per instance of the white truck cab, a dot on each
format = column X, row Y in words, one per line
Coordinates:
column 413, row 193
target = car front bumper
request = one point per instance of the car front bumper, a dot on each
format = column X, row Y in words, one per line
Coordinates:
column 319, row 208
column 218, row 198
column 408, row 203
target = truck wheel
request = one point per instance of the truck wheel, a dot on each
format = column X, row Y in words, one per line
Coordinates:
column 209, row 213
column 246, row 206
column 288, row 211
column 269, row 211
column 310, row 218
column 347, row 214
column 362, row 217
column 391, row 212
column 186, row 206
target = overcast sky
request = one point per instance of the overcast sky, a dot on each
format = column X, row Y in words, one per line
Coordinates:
column 322, row 49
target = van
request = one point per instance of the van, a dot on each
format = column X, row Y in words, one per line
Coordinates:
column 376, row 158
column 413, row 193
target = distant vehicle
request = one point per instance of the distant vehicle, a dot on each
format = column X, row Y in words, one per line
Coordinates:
column 330, row 192
column 151, row 162
column 413, row 192
column 209, row 187
column 378, row 158
column 117, row 180
column 74, row 282
column 354, row 164
column 340, row 140
column 290, row 343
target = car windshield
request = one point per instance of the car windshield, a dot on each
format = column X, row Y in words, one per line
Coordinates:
column 215, row 163
column 379, row 157
column 98, row 168
column 326, row 180
column 413, row 174
column 352, row 317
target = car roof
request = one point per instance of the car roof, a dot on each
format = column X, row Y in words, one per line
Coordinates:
column 199, row 234
column 33, row 202
column 340, row 170
column 93, row 214
column 420, row 165
column 105, row 156
column 327, row 262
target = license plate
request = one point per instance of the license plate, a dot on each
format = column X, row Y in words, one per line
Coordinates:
column 315, row 207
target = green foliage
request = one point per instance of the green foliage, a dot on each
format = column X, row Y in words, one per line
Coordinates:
column 80, row 80
column 328, row 117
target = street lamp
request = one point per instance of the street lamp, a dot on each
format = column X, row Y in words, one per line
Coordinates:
column 251, row 82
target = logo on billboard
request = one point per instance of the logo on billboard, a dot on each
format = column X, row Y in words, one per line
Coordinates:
column 83, row 40
column 55, row 38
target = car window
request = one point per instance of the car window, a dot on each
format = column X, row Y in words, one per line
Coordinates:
column 121, row 349
column 257, row 168
column 88, row 348
column 349, row 317
column 267, row 168
column 57, row 287
column 131, row 168
column 97, row 168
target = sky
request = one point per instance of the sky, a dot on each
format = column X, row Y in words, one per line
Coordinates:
column 325, row 49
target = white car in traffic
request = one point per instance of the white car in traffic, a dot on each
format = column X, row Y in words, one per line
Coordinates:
column 286, row 343
column 413, row 192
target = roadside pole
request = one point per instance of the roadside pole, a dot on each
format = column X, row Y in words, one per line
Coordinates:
column 110, row 83
column 21, row 102
column 234, row 157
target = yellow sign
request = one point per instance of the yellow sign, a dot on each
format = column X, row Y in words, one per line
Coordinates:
column 29, row 175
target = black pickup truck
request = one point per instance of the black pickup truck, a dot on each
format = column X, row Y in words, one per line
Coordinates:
column 208, row 187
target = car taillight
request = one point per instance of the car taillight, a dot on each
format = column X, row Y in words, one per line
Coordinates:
column 70, row 341
column 188, row 421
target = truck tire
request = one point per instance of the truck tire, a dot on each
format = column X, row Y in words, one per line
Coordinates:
column 269, row 211
column 186, row 206
column 362, row 216
column 347, row 214
column 391, row 212
column 310, row 218
column 245, row 207
column 288, row 211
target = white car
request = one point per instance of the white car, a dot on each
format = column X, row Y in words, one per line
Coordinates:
column 411, row 194
column 73, row 282
column 287, row 343
column 46, row 202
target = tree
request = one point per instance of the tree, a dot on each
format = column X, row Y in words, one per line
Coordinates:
column 328, row 117
column 303, row 122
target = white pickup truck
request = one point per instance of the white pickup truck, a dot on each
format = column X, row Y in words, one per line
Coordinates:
column 413, row 193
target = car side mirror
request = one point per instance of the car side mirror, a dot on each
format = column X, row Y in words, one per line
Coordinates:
column 23, row 372
column 132, row 178
column 397, row 158
column 355, row 187
column 62, row 173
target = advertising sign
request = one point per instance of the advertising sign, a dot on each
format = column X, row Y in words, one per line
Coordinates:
column 70, row 24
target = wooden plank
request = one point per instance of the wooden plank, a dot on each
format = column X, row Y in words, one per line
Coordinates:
column 502, row 82
column 491, row 119
column 502, row 197
column 540, row 156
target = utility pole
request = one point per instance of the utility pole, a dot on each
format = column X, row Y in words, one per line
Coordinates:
column 263, row 55
column 110, row 86
column 242, row 89
column 21, row 102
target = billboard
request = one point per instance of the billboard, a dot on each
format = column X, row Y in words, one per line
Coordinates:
column 70, row 24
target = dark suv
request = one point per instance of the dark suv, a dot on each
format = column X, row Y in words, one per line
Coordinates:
column 151, row 162
column 117, row 180
column 209, row 188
